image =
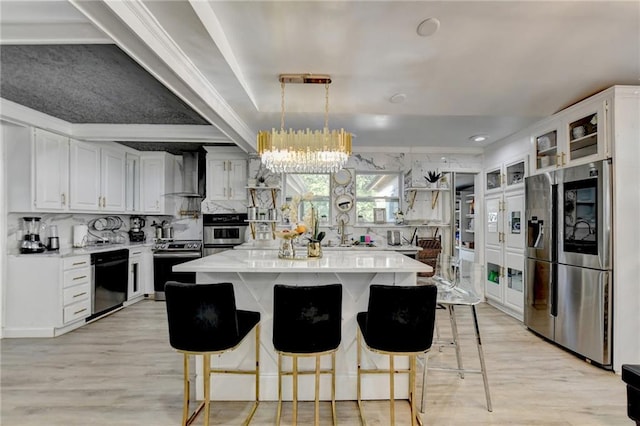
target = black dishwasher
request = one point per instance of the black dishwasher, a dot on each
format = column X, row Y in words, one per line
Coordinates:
column 110, row 276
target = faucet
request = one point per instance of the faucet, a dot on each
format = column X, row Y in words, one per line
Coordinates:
column 343, row 235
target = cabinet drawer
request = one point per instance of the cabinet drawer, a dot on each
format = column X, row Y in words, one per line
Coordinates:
column 76, row 293
column 77, row 311
column 76, row 262
column 76, row 276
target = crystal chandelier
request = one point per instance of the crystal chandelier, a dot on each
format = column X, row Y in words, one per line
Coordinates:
column 304, row 151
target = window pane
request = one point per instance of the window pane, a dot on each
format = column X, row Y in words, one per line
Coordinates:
column 374, row 191
column 377, row 185
column 298, row 184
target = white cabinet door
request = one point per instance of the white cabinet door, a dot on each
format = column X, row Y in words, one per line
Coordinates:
column 51, row 170
column 493, row 225
column 514, row 288
column 152, row 178
column 132, row 183
column 112, row 180
column 226, row 179
column 514, row 219
column 237, row 179
column 136, row 273
column 217, row 179
column 85, row 176
column 493, row 277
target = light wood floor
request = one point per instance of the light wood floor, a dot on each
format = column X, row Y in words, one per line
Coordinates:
column 121, row 371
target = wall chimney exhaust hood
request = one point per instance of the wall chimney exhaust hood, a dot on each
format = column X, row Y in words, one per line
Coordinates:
column 193, row 175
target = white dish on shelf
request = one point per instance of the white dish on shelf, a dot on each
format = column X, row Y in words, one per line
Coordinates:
column 544, row 143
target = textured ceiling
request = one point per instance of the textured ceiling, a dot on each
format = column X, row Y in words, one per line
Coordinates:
column 95, row 83
column 176, row 148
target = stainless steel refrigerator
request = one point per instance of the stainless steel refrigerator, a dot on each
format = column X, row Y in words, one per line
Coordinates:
column 568, row 271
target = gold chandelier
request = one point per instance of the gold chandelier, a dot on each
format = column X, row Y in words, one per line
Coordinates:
column 304, row 151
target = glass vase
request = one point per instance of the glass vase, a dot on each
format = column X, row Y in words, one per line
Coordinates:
column 287, row 250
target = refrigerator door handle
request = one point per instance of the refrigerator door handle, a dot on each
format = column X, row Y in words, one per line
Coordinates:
column 554, row 290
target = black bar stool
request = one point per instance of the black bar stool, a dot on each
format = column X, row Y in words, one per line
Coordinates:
column 307, row 323
column 631, row 376
column 399, row 322
column 203, row 320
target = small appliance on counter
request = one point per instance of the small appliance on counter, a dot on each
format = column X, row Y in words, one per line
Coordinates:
column 80, row 235
column 136, row 234
column 31, row 242
column 54, row 240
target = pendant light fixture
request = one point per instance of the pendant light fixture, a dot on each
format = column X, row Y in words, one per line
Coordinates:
column 304, row 151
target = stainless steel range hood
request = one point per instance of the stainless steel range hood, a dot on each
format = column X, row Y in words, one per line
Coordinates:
column 193, row 175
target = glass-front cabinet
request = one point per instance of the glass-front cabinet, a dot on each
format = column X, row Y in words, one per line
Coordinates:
column 507, row 176
column 575, row 137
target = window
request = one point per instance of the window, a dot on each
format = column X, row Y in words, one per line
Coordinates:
column 318, row 184
column 377, row 191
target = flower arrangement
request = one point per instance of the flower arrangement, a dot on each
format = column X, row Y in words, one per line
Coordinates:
column 310, row 222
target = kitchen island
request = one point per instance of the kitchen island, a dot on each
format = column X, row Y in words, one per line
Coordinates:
column 255, row 272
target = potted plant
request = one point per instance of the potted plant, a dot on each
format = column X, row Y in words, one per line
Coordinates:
column 432, row 178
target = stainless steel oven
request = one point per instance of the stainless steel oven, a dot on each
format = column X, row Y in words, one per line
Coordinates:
column 223, row 231
column 167, row 254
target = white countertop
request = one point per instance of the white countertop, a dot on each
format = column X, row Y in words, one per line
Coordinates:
column 265, row 261
column 73, row 251
column 275, row 244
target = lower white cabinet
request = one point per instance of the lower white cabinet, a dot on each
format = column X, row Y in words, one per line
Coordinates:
column 47, row 296
column 504, row 251
column 140, row 273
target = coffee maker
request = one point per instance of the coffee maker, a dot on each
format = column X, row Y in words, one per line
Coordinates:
column 31, row 242
column 54, row 240
column 136, row 234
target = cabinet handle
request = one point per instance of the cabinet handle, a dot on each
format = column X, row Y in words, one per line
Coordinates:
column 224, row 192
column 136, row 252
column 64, row 199
column 80, row 294
column 563, row 156
column 230, row 192
column 81, row 310
column 80, row 277
column 79, row 263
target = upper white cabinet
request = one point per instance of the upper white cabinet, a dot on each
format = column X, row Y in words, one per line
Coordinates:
column 226, row 176
column 156, row 180
column 132, row 183
column 506, row 176
column 572, row 137
column 39, row 170
column 97, row 177
column 51, row 170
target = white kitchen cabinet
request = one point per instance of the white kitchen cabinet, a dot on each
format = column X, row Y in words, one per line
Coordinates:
column 132, row 183
column 46, row 295
column 97, row 177
column 39, row 170
column 138, row 271
column 156, row 180
column 508, row 175
column 504, row 251
column 226, row 179
column 572, row 137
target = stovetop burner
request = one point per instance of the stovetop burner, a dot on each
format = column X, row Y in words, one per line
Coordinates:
column 177, row 245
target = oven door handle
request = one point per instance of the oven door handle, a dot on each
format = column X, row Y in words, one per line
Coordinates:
column 176, row 254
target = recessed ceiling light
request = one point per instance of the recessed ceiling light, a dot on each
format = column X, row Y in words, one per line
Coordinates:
column 479, row 138
column 398, row 98
column 428, row 27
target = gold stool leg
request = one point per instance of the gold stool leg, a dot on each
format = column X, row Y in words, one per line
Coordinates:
column 392, row 393
column 279, row 389
column 295, row 390
column 317, row 392
column 412, row 388
column 185, row 406
column 359, row 387
column 333, row 388
column 207, row 388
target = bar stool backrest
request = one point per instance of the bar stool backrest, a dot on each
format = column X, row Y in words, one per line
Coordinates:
column 202, row 317
column 307, row 319
column 401, row 318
